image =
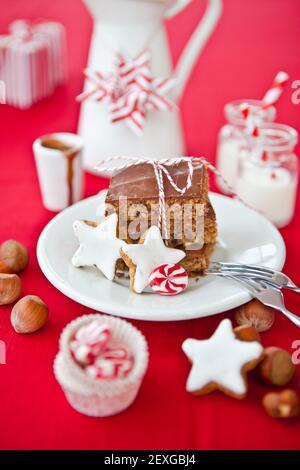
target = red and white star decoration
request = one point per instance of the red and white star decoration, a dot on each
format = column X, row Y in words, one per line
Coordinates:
column 130, row 91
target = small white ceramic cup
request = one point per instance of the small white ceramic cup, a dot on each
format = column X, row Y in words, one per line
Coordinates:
column 59, row 171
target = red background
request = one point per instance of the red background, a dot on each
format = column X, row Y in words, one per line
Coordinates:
column 255, row 39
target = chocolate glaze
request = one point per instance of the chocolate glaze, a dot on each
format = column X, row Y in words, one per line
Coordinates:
column 55, row 144
column 139, row 183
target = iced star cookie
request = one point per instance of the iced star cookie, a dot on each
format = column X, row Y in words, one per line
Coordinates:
column 143, row 257
column 99, row 245
column 221, row 362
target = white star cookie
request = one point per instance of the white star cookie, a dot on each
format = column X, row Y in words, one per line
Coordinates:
column 99, row 245
column 221, row 362
column 142, row 258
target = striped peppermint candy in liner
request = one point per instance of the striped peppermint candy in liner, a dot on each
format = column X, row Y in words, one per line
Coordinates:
column 82, row 353
column 90, row 341
column 102, row 397
column 168, row 279
column 96, row 333
column 114, row 362
column 99, row 359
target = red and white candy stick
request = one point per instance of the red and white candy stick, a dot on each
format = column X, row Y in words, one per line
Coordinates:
column 82, row 353
column 115, row 362
column 95, row 333
column 90, row 341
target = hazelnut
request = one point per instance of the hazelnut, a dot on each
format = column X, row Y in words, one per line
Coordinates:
column 277, row 367
column 29, row 314
column 13, row 257
column 284, row 404
column 10, row 288
column 255, row 314
column 247, row 333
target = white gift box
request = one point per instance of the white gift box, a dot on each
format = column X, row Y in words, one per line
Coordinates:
column 32, row 61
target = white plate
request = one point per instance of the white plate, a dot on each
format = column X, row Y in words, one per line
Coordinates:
column 246, row 237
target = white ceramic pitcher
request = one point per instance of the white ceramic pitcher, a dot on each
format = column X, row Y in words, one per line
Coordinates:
column 127, row 25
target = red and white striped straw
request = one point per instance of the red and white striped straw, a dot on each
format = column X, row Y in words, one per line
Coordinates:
column 273, row 94
column 252, row 129
column 270, row 99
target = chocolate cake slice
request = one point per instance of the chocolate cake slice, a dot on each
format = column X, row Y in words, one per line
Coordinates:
column 191, row 220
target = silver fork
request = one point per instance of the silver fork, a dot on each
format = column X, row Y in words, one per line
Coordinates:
column 253, row 271
column 267, row 294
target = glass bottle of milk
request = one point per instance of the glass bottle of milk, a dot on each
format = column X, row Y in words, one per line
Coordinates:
column 233, row 139
column 268, row 176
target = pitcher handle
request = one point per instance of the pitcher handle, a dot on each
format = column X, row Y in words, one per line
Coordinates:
column 176, row 7
column 196, row 43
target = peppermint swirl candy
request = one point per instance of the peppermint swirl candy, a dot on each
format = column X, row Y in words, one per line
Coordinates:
column 168, row 279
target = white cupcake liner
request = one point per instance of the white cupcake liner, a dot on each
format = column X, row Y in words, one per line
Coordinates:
column 101, row 398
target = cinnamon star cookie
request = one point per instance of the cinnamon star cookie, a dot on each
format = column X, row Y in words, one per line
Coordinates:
column 99, row 245
column 143, row 257
column 221, row 362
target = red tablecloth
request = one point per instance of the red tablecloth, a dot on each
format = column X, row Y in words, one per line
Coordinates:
column 254, row 40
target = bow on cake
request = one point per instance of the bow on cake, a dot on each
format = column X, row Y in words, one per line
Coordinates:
column 130, row 91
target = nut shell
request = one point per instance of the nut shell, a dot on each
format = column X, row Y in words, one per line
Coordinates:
column 284, row 404
column 29, row 314
column 10, row 288
column 247, row 333
column 277, row 367
column 13, row 257
column 256, row 314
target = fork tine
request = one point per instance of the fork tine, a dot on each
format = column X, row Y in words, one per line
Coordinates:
column 251, row 286
column 250, row 267
column 265, row 284
column 240, row 268
column 240, row 272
